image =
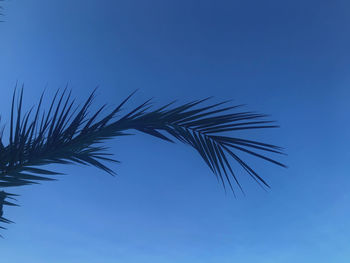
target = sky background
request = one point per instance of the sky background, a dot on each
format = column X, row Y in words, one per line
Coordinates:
column 290, row 59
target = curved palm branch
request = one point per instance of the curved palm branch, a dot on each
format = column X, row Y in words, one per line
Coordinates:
column 66, row 134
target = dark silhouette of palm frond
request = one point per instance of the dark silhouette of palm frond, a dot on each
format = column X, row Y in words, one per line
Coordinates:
column 1, row 13
column 67, row 134
column 3, row 196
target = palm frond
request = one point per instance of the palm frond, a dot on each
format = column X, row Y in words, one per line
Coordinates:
column 67, row 134
column 4, row 196
column 1, row 13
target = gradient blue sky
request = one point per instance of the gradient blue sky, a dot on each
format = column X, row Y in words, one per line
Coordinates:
column 290, row 59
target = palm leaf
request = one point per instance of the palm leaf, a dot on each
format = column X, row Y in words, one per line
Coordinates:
column 1, row 8
column 63, row 135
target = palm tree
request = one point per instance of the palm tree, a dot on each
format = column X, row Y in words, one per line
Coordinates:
column 67, row 134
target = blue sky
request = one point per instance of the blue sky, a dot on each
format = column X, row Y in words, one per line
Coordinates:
column 289, row 59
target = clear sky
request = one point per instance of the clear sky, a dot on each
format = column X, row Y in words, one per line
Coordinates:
column 290, row 59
